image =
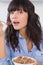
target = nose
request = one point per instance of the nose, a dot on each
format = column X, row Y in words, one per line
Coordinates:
column 15, row 14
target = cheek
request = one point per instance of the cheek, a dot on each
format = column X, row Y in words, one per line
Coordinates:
column 11, row 17
column 23, row 23
column 23, row 19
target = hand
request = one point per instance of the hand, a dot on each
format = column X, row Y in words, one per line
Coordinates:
column 1, row 26
column 2, row 46
column 37, row 63
column 1, row 32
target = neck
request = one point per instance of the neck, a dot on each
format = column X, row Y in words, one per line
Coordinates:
column 29, row 43
column 23, row 33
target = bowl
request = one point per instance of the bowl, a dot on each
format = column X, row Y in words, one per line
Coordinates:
column 23, row 60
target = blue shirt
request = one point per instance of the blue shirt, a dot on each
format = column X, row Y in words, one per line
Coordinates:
column 34, row 53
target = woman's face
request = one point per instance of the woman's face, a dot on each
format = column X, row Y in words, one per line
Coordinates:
column 19, row 19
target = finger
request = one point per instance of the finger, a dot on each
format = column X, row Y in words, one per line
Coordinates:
column 1, row 25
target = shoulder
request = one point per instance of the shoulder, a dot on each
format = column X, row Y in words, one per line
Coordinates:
column 39, row 53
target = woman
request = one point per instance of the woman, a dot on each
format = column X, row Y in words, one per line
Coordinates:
column 23, row 35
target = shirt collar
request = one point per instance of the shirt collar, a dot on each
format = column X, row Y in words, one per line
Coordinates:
column 34, row 47
column 20, row 37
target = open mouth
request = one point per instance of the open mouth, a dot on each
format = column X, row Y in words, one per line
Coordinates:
column 15, row 22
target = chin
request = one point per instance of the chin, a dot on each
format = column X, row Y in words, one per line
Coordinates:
column 17, row 28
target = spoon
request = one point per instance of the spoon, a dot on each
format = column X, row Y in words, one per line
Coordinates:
column 7, row 23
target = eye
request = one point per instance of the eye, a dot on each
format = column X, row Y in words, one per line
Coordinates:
column 12, row 12
column 20, row 11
